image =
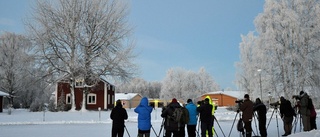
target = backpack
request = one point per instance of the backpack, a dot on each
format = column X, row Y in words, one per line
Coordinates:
column 177, row 115
column 310, row 104
column 240, row 126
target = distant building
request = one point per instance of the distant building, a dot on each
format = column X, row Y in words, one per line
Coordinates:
column 2, row 94
column 129, row 100
column 224, row 98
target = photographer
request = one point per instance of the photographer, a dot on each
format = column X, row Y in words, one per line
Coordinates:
column 247, row 111
column 304, row 111
column 262, row 111
column 287, row 113
column 205, row 111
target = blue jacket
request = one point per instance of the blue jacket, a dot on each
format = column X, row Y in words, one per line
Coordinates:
column 144, row 114
column 192, row 108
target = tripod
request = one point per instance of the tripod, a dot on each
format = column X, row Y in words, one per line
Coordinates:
column 240, row 128
column 219, row 126
column 275, row 109
column 127, row 130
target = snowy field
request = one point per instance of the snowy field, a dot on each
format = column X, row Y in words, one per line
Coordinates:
column 22, row 123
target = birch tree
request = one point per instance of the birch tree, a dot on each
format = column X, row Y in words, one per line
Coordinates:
column 286, row 48
column 84, row 39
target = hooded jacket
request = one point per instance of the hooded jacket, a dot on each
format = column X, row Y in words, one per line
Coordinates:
column 304, row 104
column 144, row 114
column 118, row 115
column 286, row 108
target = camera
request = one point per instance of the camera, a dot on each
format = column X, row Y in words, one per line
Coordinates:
column 297, row 97
column 239, row 101
column 275, row 104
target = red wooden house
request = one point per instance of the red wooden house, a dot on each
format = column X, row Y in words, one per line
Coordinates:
column 100, row 96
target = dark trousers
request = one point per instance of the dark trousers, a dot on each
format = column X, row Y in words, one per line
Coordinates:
column 117, row 131
column 191, row 130
column 262, row 126
column 313, row 123
column 287, row 125
column 143, row 133
column 169, row 133
column 247, row 128
column 206, row 126
column 182, row 131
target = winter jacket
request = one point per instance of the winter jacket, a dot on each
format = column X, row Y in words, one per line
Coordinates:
column 205, row 111
column 193, row 113
column 261, row 110
column 304, row 104
column 170, row 124
column 247, row 110
column 286, row 108
column 118, row 115
column 144, row 114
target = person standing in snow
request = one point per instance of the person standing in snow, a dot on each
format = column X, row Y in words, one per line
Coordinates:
column 144, row 117
column 262, row 111
column 193, row 118
column 304, row 111
column 247, row 111
column 287, row 113
column 205, row 111
column 118, row 115
column 170, row 126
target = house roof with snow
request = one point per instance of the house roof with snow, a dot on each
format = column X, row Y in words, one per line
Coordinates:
column 125, row 96
column 235, row 94
column 3, row 93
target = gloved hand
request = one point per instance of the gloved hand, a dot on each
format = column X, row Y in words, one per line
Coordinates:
column 238, row 111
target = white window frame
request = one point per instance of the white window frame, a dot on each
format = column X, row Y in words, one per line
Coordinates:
column 68, row 98
column 93, row 97
column 79, row 82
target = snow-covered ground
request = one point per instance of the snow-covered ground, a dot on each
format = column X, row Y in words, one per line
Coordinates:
column 22, row 123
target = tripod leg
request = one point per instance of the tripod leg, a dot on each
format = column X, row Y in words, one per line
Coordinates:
column 270, row 118
column 219, row 126
column 234, row 120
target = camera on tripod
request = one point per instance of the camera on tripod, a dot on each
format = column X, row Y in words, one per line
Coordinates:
column 239, row 101
column 275, row 104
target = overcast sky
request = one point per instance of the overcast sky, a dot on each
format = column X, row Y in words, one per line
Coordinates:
column 175, row 33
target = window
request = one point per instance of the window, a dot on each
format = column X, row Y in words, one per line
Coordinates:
column 79, row 82
column 91, row 99
column 68, row 99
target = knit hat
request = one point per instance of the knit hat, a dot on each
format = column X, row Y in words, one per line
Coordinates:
column 174, row 100
column 301, row 92
column 189, row 100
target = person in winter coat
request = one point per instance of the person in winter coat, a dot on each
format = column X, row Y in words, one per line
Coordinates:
column 247, row 110
column 286, row 113
column 262, row 111
column 144, row 117
column 118, row 115
column 205, row 111
column 304, row 111
column 170, row 125
column 193, row 118
column 313, row 116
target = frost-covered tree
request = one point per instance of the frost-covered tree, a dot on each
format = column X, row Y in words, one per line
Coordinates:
column 182, row 84
column 90, row 38
column 285, row 47
column 139, row 85
column 15, row 64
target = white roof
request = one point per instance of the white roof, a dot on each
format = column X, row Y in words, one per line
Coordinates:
column 125, row 96
column 3, row 94
column 236, row 94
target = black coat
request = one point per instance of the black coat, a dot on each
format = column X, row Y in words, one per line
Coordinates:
column 261, row 110
column 118, row 115
column 205, row 111
column 170, row 125
column 286, row 108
